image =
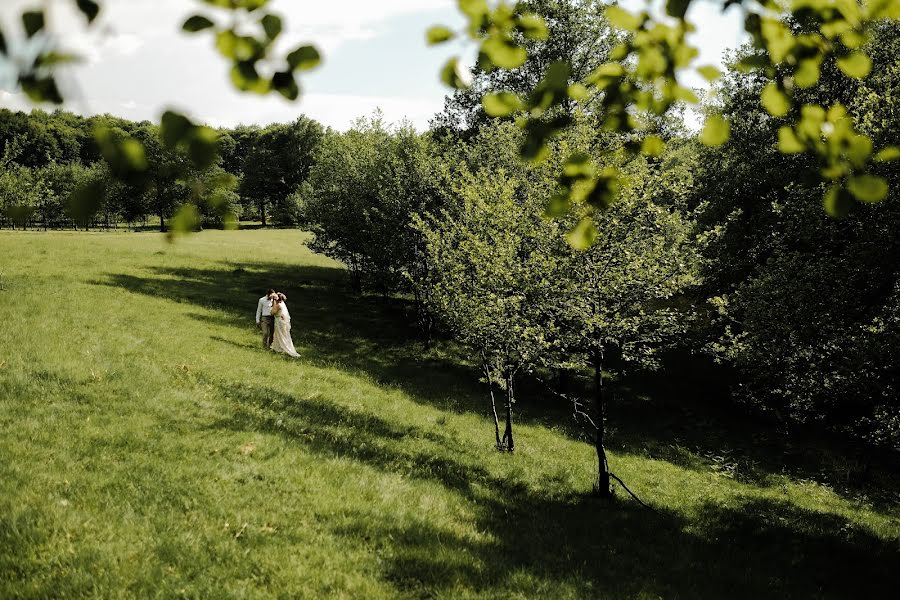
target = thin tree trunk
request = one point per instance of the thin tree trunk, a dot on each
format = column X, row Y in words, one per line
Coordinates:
column 487, row 373
column 603, row 483
column 508, row 442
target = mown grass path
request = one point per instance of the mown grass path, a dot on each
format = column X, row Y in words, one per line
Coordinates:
column 149, row 448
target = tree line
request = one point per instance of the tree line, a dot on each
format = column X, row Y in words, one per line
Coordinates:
column 720, row 251
column 54, row 174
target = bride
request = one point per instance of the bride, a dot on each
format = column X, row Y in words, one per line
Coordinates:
column 281, row 340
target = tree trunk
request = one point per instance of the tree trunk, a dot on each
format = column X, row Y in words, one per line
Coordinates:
column 563, row 381
column 487, row 373
column 262, row 212
column 603, row 483
column 507, row 442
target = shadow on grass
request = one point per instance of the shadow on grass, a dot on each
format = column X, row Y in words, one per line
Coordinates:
column 554, row 541
column 680, row 417
column 364, row 334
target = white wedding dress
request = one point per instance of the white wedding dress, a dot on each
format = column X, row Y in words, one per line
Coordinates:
column 281, row 340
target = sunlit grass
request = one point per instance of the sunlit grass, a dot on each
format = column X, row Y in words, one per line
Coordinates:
column 148, row 447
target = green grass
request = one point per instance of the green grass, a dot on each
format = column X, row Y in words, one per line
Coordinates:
column 149, row 448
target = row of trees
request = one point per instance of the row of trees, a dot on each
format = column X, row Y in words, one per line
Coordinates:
column 729, row 244
column 54, row 174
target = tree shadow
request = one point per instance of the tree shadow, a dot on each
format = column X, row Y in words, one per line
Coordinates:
column 361, row 334
column 677, row 415
column 539, row 543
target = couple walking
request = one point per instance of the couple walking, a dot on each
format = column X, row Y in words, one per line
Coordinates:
column 273, row 318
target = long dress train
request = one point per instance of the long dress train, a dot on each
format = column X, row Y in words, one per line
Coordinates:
column 281, row 340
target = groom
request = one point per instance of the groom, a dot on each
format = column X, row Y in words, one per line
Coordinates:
column 264, row 319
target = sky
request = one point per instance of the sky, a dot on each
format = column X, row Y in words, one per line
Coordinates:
column 137, row 63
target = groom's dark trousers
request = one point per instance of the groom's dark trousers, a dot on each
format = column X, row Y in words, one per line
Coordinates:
column 267, row 324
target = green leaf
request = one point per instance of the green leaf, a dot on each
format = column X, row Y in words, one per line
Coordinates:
column 503, row 52
column 185, row 220
column 203, row 147
column 89, row 9
column 304, row 58
column 286, row 85
column 775, row 101
column 622, row 19
column 888, row 154
column 653, row 145
column 133, row 154
column 174, row 128
column 245, row 77
column 856, row 65
column 86, row 200
column 438, row 35
column 788, row 142
column 868, row 188
column 226, row 43
column 271, row 25
column 40, row 89
column 677, row 8
column 837, row 202
column 709, row 73
column 583, row 235
column 807, row 73
column 578, row 92
column 501, row 104
column 884, row 9
column 230, row 222
column 197, row 23
column 451, row 74
column 578, row 166
column 52, row 59
column 558, row 205
column 33, row 21
column 778, row 38
column 679, row 92
column 853, row 39
column 533, row 27
column 716, row 131
column 474, row 9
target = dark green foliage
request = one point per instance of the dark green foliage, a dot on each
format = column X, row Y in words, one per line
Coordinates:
column 276, row 160
column 365, row 187
column 808, row 305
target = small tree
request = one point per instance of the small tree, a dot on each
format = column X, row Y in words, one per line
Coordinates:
column 278, row 160
column 489, row 281
column 621, row 296
column 366, row 185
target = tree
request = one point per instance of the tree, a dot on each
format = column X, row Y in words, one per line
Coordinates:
column 275, row 165
column 162, row 180
column 578, row 34
column 364, row 188
column 489, row 280
column 807, row 305
column 620, row 296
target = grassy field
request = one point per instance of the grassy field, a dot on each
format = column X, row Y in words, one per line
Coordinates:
column 150, row 448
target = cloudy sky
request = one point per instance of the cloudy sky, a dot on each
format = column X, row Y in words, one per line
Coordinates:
column 137, row 63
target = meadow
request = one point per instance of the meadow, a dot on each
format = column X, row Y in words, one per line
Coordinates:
column 150, row 448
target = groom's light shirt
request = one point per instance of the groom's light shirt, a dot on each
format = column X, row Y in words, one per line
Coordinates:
column 263, row 308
